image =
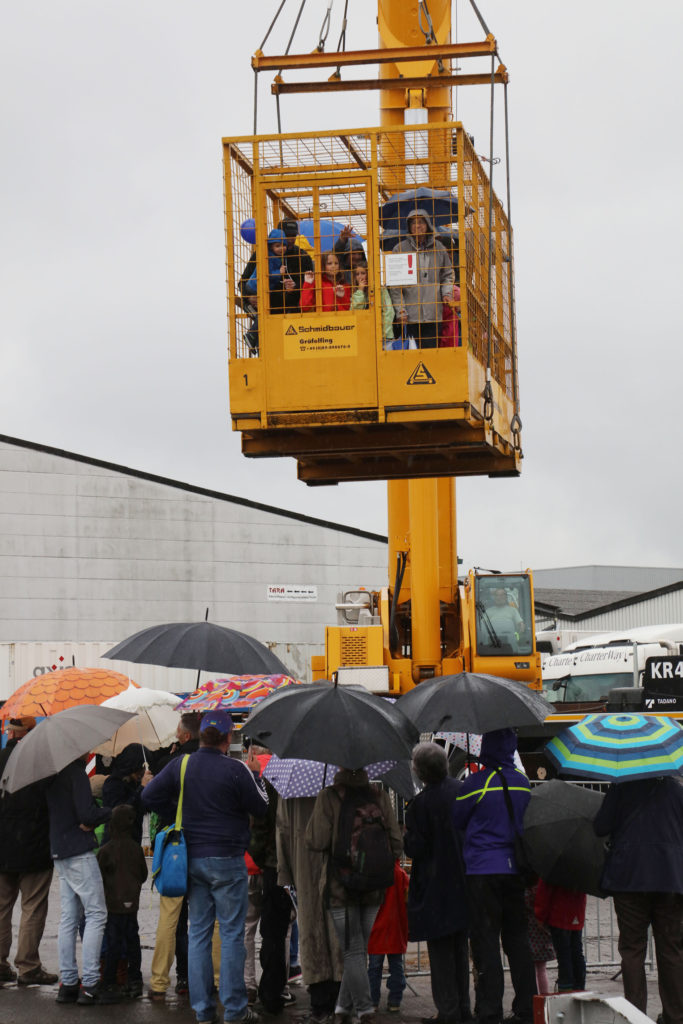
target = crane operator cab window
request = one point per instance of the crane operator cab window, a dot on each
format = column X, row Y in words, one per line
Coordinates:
column 503, row 609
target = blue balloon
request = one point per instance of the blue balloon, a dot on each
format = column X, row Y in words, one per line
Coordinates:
column 248, row 230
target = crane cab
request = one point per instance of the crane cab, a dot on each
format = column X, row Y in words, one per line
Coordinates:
column 336, row 381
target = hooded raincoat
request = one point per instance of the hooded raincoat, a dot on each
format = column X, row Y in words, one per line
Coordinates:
column 122, row 863
column 481, row 809
column 423, row 302
column 295, row 264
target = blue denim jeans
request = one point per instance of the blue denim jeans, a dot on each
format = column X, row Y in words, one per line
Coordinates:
column 80, row 886
column 217, row 890
column 396, row 981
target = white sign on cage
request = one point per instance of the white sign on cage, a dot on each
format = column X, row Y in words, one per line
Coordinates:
column 400, row 268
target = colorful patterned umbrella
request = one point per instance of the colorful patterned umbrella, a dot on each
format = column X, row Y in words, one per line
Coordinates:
column 620, row 747
column 64, row 688
column 235, row 693
column 293, row 777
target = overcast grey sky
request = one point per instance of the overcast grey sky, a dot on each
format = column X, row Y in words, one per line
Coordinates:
column 112, row 289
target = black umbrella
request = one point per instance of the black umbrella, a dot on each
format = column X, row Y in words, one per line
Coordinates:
column 472, row 702
column 342, row 725
column 440, row 205
column 559, row 839
column 201, row 645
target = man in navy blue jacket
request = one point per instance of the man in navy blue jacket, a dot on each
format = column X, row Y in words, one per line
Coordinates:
column 73, row 817
column 219, row 794
column 644, row 873
column 495, row 890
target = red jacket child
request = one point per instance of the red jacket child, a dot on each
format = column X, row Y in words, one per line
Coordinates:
column 390, row 931
column 559, row 907
column 335, row 295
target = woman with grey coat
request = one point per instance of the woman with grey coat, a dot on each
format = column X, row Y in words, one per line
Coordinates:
column 419, row 306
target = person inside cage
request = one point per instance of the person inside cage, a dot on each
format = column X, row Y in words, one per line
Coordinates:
column 419, row 306
column 351, row 252
column 287, row 266
column 359, row 300
column 336, row 294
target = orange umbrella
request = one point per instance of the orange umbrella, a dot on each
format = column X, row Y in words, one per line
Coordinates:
column 64, row 688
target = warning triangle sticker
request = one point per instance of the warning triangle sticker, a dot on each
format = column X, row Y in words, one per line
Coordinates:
column 420, row 375
column 290, row 330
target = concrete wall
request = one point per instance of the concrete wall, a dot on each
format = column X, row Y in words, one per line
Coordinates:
column 90, row 552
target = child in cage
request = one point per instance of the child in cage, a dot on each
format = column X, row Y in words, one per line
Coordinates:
column 359, row 300
column 336, row 294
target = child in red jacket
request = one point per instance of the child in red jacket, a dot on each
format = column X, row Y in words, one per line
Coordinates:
column 389, row 937
column 564, row 912
column 336, row 294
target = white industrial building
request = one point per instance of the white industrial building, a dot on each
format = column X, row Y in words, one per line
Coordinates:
column 91, row 552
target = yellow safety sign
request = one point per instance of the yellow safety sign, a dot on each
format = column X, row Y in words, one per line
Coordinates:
column 319, row 334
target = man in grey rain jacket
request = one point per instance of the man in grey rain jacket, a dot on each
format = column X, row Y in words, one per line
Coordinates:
column 419, row 306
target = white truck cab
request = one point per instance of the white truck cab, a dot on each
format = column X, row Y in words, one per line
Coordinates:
column 586, row 670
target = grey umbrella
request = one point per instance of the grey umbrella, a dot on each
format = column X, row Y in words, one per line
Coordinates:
column 57, row 741
column 200, row 645
column 342, row 725
column 472, row 702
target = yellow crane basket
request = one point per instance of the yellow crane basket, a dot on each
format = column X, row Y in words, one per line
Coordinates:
column 335, row 379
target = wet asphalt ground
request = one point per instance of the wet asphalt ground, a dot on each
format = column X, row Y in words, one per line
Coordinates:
column 36, row 1005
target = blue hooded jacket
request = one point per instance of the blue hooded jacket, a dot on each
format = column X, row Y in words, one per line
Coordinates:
column 481, row 809
column 274, row 264
column 296, row 263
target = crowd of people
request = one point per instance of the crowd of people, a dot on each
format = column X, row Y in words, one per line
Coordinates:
column 417, row 315
column 330, row 869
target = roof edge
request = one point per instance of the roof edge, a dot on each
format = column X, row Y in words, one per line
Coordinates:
column 191, row 488
column 623, row 602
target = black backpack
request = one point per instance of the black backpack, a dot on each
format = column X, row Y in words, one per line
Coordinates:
column 362, row 859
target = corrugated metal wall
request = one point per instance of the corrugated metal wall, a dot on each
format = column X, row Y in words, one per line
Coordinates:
column 652, row 612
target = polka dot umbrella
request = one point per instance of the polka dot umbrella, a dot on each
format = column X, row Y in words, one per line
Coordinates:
column 64, row 688
column 294, row 777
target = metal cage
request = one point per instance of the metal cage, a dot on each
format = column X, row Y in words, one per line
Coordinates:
column 327, row 384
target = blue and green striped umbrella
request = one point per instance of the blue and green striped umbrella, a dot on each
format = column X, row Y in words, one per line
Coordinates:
column 619, row 747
